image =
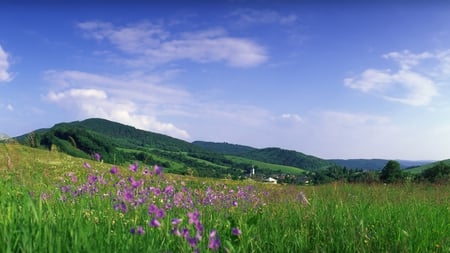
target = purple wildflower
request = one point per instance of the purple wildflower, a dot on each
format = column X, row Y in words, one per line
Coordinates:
column 169, row 190
column 155, row 223
column 185, row 233
column 214, row 242
column 128, row 196
column 156, row 191
column 114, row 170
column 192, row 241
column 72, row 176
column 92, row 179
column 152, row 209
column 160, row 213
column 176, row 232
column 65, row 189
column 44, row 196
column 176, row 221
column 87, row 165
column 193, row 217
column 157, row 169
column 122, row 207
column 236, row 231
column 134, row 167
column 134, row 183
column 140, row 230
column 97, row 157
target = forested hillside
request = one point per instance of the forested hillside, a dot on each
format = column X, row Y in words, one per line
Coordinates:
column 122, row 144
column 224, row 147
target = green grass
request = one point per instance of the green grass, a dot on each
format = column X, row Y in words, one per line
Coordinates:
column 270, row 166
column 339, row 218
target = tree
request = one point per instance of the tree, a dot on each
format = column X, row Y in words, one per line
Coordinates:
column 440, row 173
column 391, row 172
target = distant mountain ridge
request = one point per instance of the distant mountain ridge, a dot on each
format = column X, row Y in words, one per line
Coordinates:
column 374, row 164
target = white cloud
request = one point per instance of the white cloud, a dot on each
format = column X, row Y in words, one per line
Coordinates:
column 415, row 83
column 119, row 99
column 5, row 76
column 151, row 44
column 10, row 107
column 369, row 80
column 406, row 59
column 293, row 117
column 404, row 86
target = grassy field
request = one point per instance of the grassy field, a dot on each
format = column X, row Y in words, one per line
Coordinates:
column 270, row 166
column 51, row 202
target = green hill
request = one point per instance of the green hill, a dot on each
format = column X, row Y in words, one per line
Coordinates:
column 269, row 155
column 420, row 169
column 224, row 147
column 258, row 165
column 288, row 158
column 122, row 144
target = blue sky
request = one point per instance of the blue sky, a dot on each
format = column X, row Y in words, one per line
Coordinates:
column 341, row 80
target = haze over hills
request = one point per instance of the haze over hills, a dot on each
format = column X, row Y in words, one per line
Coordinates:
column 4, row 137
column 375, row 164
column 119, row 143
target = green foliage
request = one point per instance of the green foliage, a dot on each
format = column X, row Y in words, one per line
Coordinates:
column 419, row 169
column 439, row 173
column 391, row 173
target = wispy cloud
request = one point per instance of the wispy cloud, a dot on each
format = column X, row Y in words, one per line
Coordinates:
column 291, row 117
column 5, row 76
column 254, row 16
column 416, row 82
column 152, row 44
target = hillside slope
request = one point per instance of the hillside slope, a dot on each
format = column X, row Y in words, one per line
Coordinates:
column 269, row 155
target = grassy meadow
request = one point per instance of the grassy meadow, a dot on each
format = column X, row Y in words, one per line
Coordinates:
column 51, row 202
